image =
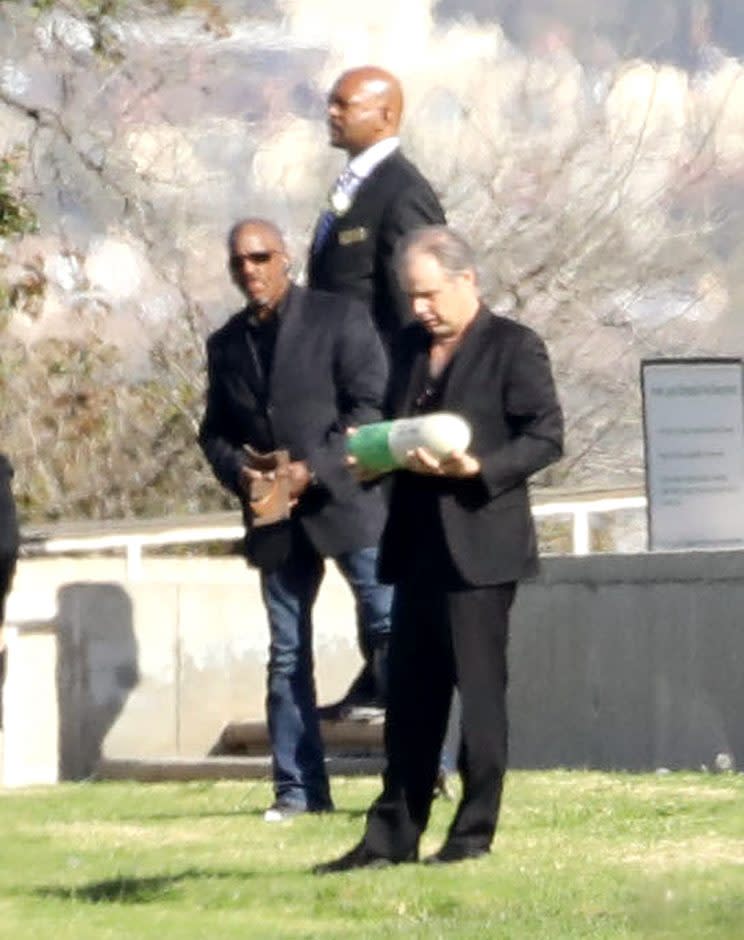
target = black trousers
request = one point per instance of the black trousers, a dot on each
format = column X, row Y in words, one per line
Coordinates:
column 441, row 638
column 7, row 569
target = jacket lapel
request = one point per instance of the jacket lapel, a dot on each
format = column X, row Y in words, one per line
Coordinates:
column 241, row 357
column 369, row 188
column 285, row 351
column 456, row 384
column 364, row 200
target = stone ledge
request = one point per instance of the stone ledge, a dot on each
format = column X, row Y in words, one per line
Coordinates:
column 178, row 769
column 343, row 737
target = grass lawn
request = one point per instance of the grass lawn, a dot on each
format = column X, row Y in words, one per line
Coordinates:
column 578, row 854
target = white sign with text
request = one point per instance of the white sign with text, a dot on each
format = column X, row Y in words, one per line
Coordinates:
column 693, row 413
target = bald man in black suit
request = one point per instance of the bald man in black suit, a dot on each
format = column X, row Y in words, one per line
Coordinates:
column 384, row 197
column 379, row 197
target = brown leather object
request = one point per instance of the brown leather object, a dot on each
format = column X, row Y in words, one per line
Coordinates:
column 269, row 499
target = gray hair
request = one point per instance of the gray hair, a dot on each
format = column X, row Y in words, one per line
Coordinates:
column 444, row 244
column 265, row 224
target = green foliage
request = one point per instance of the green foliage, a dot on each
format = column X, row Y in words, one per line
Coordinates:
column 578, row 855
column 42, row 5
column 16, row 218
column 88, row 439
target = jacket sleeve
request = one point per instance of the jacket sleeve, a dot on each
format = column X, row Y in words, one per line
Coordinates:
column 412, row 207
column 360, row 375
column 224, row 454
column 9, row 534
column 533, row 413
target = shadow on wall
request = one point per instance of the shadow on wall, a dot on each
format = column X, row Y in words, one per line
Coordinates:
column 97, row 670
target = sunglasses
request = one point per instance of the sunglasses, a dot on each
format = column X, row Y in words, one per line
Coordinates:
column 255, row 257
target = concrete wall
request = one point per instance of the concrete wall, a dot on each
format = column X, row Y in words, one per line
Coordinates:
column 144, row 669
column 630, row 661
column 616, row 661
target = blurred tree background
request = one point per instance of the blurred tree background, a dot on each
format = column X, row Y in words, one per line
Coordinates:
column 594, row 154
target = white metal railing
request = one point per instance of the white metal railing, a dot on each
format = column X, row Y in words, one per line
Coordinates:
column 133, row 536
column 581, row 510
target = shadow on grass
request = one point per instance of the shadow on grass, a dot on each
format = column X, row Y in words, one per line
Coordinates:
column 130, row 890
column 233, row 814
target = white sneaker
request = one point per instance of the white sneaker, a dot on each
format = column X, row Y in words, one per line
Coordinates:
column 281, row 812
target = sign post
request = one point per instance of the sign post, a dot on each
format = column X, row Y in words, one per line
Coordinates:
column 693, row 419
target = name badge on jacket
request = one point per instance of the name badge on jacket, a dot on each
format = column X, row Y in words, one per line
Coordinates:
column 351, row 236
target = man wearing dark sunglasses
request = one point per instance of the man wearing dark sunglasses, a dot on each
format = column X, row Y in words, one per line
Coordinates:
column 291, row 372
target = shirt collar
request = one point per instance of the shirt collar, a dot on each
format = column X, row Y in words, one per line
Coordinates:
column 365, row 162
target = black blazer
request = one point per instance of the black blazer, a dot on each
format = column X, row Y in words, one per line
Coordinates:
column 329, row 372
column 356, row 257
column 9, row 537
column 500, row 381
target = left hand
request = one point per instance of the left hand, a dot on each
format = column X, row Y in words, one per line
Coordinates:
column 361, row 474
column 457, row 464
column 300, row 478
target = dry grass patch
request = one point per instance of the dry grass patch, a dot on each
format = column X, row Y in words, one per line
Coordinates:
column 644, row 787
column 699, row 853
column 697, row 792
column 119, row 835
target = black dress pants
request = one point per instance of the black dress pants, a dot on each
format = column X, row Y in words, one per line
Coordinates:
column 441, row 638
column 7, row 569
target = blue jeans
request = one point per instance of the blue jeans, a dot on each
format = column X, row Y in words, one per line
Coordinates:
column 289, row 593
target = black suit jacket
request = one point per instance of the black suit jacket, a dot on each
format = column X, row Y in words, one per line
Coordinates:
column 356, row 257
column 328, row 373
column 9, row 536
column 500, row 381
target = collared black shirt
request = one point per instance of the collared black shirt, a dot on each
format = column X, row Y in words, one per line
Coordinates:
column 429, row 558
column 263, row 333
column 261, row 337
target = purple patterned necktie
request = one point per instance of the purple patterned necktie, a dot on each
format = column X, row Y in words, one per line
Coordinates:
column 345, row 185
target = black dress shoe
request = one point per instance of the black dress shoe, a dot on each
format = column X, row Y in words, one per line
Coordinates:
column 452, row 852
column 354, row 708
column 361, row 856
column 365, row 698
column 370, row 713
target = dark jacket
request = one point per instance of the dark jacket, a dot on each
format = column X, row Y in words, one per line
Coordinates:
column 357, row 256
column 9, row 537
column 328, row 373
column 500, row 381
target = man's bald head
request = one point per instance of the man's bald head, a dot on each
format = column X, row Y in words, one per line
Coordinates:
column 364, row 107
column 259, row 264
column 268, row 229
